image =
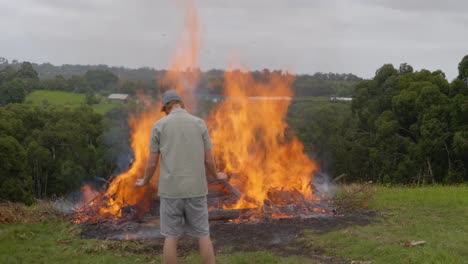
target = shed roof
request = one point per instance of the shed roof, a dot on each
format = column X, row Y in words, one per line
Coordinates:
column 118, row 96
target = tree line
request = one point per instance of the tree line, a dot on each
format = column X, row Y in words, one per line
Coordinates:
column 48, row 151
column 105, row 79
column 403, row 126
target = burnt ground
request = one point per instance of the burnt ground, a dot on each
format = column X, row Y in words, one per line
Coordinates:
column 274, row 235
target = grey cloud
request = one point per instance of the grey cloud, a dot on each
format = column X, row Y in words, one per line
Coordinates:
column 456, row 6
column 67, row 4
column 302, row 35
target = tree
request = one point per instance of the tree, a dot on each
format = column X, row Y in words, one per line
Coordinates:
column 40, row 165
column 14, row 180
column 405, row 68
column 26, row 71
column 463, row 69
column 12, row 92
column 58, row 149
column 408, row 121
column 101, row 80
column 3, row 61
column 91, row 98
column 78, row 84
column 59, row 83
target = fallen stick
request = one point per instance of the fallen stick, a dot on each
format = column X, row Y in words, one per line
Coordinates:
column 340, row 177
column 414, row 243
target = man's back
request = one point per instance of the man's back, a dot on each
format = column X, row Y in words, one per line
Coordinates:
column 181, row 140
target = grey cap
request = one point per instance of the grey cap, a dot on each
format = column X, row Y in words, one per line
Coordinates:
column 169, row 96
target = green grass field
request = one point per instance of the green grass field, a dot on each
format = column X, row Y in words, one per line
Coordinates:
column 55, row 98
column 437, row 215
column 67, row 99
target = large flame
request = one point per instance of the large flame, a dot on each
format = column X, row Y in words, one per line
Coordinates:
column 182, row 76
column 122, row 190
column 249, row 129
column 183, row 72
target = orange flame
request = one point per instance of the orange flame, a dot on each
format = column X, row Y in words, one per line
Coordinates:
column 248, row 132
column 122, row 190
column 89, row 193
column 183, row 76
column 183, row 72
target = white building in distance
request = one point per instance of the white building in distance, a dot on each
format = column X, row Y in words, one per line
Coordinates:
column 346, row 99
column 119, row 97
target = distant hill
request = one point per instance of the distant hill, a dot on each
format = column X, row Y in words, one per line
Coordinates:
column 211, row 82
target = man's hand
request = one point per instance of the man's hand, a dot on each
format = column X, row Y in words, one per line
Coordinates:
column 221, row 176
column 151, row 164
column 140, row 182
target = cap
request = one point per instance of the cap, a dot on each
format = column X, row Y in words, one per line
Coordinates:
column 169, row 96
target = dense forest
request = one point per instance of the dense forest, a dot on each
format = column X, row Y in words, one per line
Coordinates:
column 402, row 127
column 48, row 151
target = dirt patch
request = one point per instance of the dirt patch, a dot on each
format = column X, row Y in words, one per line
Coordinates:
column 274, row 235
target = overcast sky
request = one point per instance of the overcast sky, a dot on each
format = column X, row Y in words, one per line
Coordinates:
column 305, row 36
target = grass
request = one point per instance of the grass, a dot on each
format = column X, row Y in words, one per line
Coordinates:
column 55, row 98
column 437, row 215
column 67, row 99
column 105, row 106
column 248, row 258
column 57, row 242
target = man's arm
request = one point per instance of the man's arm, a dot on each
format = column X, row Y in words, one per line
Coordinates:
column 151, row 166
column 210, row 163
column 210, row 166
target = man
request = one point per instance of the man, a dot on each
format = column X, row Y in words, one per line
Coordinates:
column 182, row 145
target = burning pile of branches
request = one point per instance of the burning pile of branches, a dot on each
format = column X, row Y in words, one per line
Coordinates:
column 271, row 173
column 280, row 203
column 104, row 206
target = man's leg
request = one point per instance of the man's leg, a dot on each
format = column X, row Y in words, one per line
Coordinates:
column 196, row 213
column 170, row 250
column 206, row 250
column 171, row 213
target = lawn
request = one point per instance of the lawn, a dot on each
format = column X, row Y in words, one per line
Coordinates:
column 55, row 98
column 437, row 215
column 58, row 242
column 67, row 99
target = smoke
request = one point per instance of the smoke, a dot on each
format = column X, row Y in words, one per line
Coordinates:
column 116, row 138
column 323, row 186
column 65, row 207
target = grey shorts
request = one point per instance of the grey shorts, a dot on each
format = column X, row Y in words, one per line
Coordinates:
column 180, row 216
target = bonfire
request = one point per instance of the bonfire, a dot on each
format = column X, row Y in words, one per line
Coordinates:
column 270, row 174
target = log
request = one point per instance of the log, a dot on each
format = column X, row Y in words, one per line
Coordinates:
column 217, row 189
column 220, row 214
column 232, row 214
column 236, row 192
column 222, row 188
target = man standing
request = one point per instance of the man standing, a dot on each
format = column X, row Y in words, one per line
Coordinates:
column 182, row 145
